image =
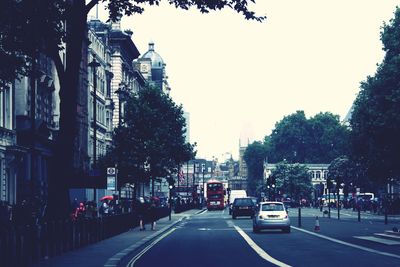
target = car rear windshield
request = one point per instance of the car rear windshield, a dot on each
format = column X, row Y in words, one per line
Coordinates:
column 272, row 207
column 243, row 202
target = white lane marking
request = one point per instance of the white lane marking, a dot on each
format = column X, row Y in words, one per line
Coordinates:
column 378, row 240
column 259, row 250
column 388, row 236
column 348, row 244
column 222, row 229
column 134, row 259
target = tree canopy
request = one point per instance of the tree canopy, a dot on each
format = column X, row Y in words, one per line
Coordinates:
column 61, row 25
column 375, row 119
column 297, row 139
column 254, row 156
column 292, row 180
column 151, row 141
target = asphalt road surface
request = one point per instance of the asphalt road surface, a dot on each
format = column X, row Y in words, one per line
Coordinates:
column 213, row 238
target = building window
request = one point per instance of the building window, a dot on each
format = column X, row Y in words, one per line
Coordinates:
column 318, row 175
column 2, row 107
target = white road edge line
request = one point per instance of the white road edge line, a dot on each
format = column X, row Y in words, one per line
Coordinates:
column 348, row 244
column 259, row 250
column 137, row 256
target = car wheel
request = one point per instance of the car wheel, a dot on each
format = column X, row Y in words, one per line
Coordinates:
column 286, row 230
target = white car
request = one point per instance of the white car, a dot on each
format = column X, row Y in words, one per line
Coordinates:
column 271, row 215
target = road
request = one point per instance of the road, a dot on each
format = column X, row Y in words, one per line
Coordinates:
column 213, row 238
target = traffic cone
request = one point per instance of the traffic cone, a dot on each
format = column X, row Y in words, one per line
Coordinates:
column 316, row 228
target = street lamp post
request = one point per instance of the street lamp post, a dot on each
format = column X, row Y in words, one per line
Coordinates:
column 202, row 191
column 170, row 201
column 194, row 175
column 94, row 65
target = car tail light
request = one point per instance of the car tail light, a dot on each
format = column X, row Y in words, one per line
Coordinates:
column 261, row 217
column 286, row 216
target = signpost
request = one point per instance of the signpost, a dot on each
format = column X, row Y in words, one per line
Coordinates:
column 112, row 179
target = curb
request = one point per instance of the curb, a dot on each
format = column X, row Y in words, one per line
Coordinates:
column 115, row 260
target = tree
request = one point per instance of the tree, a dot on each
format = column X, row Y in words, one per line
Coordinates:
column 328, row 138
column 151, row 142
column 293, row 180
column 342, row 171
column 254, row 157
column 50, row 31
column 297, row 139
column 375, row 121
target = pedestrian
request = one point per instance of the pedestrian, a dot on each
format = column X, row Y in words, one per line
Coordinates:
column 141, row 212
column 152, row 212
column 79, row 212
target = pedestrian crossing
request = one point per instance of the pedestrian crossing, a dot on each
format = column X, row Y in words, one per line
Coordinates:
column 389, row 238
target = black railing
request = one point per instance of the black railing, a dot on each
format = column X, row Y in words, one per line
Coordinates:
column 24, row 245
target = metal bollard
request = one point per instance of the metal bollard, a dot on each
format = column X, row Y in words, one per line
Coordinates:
column 386, row 216
column 299, row 221
column 359, row 215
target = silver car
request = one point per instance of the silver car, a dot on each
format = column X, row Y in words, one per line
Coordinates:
column 271, row 215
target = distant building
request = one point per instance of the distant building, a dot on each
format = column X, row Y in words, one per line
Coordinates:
column 242, row 162
column 186, row 115
column 152, row 67
column 347, row 118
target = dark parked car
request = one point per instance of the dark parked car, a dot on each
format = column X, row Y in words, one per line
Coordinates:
column 243, row 207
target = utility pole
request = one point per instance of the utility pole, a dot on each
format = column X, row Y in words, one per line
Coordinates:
column 187, row 180
column 94, row 64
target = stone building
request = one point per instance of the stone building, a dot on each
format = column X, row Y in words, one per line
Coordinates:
column 9, row 152
column 36, row 125
column 125, row 77
column 152, row 67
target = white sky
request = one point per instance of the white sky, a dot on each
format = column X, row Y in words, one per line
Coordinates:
column 237, row 78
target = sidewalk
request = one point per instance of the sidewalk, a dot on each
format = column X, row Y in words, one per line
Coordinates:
column 110, row 251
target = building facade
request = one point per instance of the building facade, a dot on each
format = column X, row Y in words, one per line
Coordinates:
column 9, row 154
column 125, row 77
column 242, row 162
column 152, row 67
column 35, row 102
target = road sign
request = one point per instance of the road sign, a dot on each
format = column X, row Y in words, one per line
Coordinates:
column 111, row 183
column 111, row 179
column 111, row 171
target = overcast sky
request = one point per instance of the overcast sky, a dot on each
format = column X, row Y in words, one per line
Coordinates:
column 237, row 78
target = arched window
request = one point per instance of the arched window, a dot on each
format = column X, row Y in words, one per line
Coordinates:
column 318, row 175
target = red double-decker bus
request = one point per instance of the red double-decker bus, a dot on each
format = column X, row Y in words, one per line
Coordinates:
column 215, row 195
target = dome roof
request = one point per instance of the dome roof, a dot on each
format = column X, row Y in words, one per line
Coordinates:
column 156, row 60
